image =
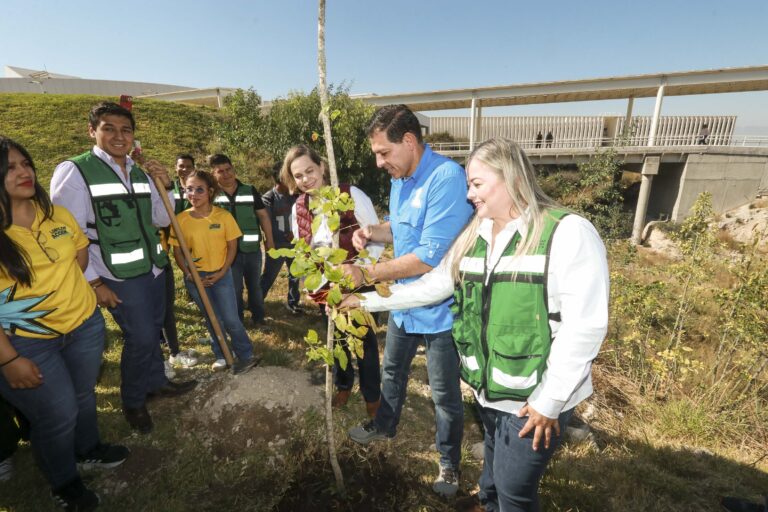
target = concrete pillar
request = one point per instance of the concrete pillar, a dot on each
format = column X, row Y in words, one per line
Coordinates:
column 628, row 118
column 656, row 114
column 472, row 125
column 219, row 100
column 650, row 169
column 479, row 122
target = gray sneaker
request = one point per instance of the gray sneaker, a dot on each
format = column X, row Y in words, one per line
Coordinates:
column 367, row 433
column 6, row 469
column 242, row 366
column 447, row 482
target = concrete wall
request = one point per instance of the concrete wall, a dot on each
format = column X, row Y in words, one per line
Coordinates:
column 733, row 180
column 664, row 191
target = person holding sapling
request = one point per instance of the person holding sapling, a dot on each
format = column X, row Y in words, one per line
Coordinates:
column 303, row 171
column 530, row 286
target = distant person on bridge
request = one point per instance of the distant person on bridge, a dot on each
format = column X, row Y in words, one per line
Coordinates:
column 428, row 208
column 539, row 138
column 529, row 280
column 703, row 137
column 549, row 139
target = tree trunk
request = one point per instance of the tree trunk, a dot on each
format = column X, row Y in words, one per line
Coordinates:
column 324, row 116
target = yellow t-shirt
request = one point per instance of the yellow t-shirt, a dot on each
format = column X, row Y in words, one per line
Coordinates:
column 60, row 298
column 207, row 238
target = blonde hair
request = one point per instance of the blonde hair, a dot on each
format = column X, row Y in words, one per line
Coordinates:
column 296, row 152
column 511, row 163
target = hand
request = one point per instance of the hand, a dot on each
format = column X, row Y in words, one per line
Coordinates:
column 158, row 171
column 361, row 237
column 350, row 301
column 355, row 272
column 106, row 297
column 22, row 374
column 543, row 425
column 212, row 279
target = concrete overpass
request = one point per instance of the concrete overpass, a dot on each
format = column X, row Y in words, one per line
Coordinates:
column 715, row 81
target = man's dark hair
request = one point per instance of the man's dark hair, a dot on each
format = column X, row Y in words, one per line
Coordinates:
column 276, row 171
column 107, row 108
column 395, row 121
column 186, row 156
column 218, row 159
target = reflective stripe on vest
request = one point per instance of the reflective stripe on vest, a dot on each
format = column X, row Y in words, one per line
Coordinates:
column 108, row 189
column 251, row 238
column 120, row 258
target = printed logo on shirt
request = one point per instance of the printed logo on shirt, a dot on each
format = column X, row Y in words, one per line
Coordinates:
column 215, row 226
column 59, row 231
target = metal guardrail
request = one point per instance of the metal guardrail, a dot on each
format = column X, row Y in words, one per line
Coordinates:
column 758, row 141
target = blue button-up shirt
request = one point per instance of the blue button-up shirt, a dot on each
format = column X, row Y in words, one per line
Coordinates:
column 427, row 212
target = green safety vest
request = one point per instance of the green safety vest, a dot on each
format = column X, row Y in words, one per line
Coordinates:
column 180, row 199
column 129, row 242
column 241, row 206
column 502, row 329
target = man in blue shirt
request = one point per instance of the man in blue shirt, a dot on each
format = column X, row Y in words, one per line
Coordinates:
column 428, row 209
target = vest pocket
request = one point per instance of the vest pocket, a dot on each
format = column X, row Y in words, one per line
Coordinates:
column 515, row 366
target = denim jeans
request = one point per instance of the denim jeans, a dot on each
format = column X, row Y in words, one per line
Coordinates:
column 272, row 268
column 222, row 298
column 170, row 334
column 247, row 267
column 62, row 410
column 140, row 316
column 511, row 469
column 367, row 366
column 443, row 372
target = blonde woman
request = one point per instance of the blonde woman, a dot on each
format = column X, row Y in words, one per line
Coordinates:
column 530, row 284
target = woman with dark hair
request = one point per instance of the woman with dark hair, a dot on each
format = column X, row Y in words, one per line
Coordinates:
column 211, row 233
column 53, row 334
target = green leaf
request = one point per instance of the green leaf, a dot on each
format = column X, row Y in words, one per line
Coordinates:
column 338, row 351
column 311, row 336
column 341, row 322
column 334, row 296
column 357, row 316
column 334, row 274
column 338, row 256
column 313, row 280
column 316, row 223
column 336, row 113
column 333, row 222
column 281, row 253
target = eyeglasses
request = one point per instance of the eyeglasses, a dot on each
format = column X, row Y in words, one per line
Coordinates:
column 195, row 190
column 51, row 253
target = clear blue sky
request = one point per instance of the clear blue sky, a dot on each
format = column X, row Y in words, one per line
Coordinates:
column 397, row 45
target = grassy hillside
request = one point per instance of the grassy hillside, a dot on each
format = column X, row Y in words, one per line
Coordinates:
column 54, row 127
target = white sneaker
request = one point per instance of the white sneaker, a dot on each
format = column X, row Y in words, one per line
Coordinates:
column 183, row 359
column 6, row 469
column 219, row 364
column 169, row 372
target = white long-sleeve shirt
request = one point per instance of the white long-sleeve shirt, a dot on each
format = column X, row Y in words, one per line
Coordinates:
column 578, row 287
column 68, row 189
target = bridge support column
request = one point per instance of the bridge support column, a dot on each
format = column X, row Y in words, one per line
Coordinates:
column 472, row 123
column 656, row 114
column 650, row 169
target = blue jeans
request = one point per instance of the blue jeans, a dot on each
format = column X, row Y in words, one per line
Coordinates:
column 443, row 372
column 367, row 366
column 62, row 410
column 170, row 334
column 140, row 317
column 247, row 267
column 511, row 469
column 272, row 268
column 222, row 298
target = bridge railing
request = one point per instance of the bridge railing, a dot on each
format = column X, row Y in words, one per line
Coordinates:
column 618, row 142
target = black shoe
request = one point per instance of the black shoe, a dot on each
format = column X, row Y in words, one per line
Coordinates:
column 75, row 497
column 139, row 419
column 242, row 366
column 103, row 456
column 173, row 389
column 296, row 310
